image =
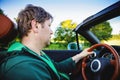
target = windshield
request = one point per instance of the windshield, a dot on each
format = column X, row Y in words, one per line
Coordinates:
column 108, row 32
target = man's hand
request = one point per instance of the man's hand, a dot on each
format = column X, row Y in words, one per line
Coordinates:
column 81, row 55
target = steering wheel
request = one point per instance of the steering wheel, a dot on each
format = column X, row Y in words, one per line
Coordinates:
column 114, row 62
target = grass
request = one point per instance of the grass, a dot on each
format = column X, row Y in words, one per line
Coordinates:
column 56, row 46
column 112, row 42
column 115, row 40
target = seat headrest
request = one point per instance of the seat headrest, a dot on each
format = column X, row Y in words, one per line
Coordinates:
column 7, row 30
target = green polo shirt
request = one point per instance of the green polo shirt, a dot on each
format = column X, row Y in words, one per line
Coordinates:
column 28, row 65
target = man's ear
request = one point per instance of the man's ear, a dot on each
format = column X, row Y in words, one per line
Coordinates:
column 34, row 26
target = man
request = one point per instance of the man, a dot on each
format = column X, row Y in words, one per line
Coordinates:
column 28, row 61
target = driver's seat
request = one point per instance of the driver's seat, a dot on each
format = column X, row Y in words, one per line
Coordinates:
column 7, row 31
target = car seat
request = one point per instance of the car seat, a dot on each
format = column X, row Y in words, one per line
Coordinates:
column 7, row 31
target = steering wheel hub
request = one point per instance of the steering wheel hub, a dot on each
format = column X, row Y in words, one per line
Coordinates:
column 95, row 65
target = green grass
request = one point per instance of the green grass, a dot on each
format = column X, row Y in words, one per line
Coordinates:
column 115, row 40
column 56, row 46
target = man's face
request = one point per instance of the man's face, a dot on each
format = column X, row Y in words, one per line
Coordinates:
column 45, row 33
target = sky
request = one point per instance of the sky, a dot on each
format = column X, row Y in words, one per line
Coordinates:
column 76, row 10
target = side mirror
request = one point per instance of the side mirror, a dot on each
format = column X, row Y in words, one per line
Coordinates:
column 73, row 46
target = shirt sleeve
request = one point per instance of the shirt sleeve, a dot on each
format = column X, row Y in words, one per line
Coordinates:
column 65, row 66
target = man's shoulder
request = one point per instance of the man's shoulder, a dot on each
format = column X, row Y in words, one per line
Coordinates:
column 4, row 55
column 18, row 56
column 19, row 62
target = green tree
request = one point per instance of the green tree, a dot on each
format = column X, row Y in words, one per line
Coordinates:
column 65, row 32
column 102, row 31
column 1, row 11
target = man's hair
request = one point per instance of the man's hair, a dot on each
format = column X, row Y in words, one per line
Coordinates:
column 27, row 15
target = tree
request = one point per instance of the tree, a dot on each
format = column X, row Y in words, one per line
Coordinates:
column 65, row 32
column 102, row 31
column 1, row 11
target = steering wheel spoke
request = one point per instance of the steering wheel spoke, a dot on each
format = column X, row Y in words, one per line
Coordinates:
column 113, row 62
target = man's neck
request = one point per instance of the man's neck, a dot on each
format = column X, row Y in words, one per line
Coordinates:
column 32, row 45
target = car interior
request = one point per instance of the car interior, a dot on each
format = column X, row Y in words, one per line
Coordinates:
column 104, row 64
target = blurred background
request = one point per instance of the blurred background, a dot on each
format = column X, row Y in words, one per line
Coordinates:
column 67, row 15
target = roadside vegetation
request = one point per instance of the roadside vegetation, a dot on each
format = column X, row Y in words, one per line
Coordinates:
column 64, row 35
column 114, row 40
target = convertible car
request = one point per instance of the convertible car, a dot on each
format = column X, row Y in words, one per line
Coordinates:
column 104, row 64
